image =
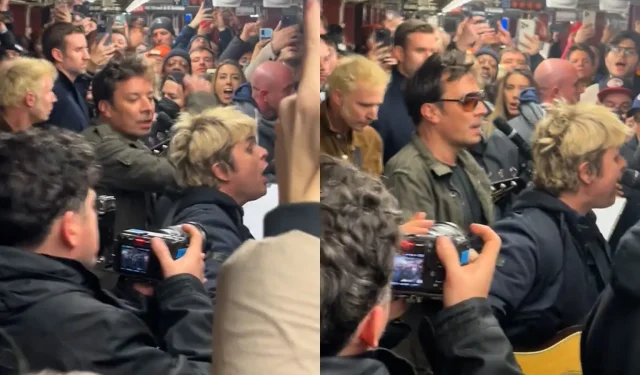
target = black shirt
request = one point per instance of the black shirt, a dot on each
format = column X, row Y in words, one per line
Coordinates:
column 470, row 202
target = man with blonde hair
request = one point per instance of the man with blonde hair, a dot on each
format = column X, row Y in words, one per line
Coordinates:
column 554, row 261
column 219, row 167
column 26, row 93
column 356, row 90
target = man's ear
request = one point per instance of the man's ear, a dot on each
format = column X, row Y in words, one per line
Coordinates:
column 221, row 171
column 105, row 108
column 57, row 55
column 337, row 98
column 398, row 53
column 71, row 230
column 30, row 100
column 586, row 173
column 373, row 325
column 430, row 112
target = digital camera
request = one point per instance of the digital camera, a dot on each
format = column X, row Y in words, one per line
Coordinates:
column 106, row 208
column 417, row 271
column 135, row 258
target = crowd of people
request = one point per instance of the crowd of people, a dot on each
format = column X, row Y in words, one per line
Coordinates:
column 527, row 137
column 513, row 146
column 180, row 132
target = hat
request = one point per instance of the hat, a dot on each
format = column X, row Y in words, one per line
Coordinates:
column 487, row 51
column 635, row 108
column 178, row 52
column 161, row 51
column 614, row 85
column 162, row 23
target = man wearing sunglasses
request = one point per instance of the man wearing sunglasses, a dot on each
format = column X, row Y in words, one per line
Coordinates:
column 435, row 173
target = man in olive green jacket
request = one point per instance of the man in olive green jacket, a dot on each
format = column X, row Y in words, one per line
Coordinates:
column 131, row 173
column 434, row 173
column 123, row 94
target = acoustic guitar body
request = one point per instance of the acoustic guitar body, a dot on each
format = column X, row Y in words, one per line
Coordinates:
column 562, row 357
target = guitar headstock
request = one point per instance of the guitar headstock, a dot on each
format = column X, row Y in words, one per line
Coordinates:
column 502, row 188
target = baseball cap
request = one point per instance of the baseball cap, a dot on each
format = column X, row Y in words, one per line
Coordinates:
column 161, row 51
column 635, row 107
column 614, row 85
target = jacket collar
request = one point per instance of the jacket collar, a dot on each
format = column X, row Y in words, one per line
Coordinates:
column 105, row 130
column 465, row 159
column 377, row 362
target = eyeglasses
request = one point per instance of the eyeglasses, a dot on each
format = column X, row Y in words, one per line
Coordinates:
column 624, row 50
column 469, row 102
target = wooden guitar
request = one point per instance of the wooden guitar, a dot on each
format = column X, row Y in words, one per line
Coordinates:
column 561, row 357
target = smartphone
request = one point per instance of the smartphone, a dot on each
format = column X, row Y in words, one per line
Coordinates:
column 188, row 17
column 383, row 36
column 525, row 28
column 589, row 17
column 266, row 33
column 108, row 29
column 208, row 4
column 288, row 20
column 120, row 19
column 504, row 22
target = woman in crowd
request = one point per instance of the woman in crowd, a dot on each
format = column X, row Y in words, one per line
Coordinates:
column 508, row 96
column 227, row 78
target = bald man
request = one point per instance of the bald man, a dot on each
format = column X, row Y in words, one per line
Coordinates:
column 558, row 79
column 270, row 82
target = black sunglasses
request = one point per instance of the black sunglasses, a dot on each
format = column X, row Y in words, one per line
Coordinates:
column 469, row 102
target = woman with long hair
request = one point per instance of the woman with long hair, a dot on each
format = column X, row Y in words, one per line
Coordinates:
column 507, row 103
column 226, row 79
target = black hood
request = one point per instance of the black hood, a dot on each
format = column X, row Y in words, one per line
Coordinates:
column 537, row 198
column 27, row 278
column 209, row 195
column 376, row 362
column 626, row 263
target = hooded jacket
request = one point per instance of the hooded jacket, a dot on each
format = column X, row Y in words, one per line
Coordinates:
column 62, row 320
column 553, row 264
column 266, row 128
column 610, row 342
column 531, row 112
column 219, row 216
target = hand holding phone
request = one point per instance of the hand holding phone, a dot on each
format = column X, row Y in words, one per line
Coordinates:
column 526, row 31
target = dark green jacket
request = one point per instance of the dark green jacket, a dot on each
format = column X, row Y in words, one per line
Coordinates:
column 131, row 173
column 422, row 184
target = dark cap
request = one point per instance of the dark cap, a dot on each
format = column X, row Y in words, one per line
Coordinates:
column 635, row 107
column 162, row 23
column 614, row 85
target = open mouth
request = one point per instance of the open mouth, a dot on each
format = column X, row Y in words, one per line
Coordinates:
column 621, row 65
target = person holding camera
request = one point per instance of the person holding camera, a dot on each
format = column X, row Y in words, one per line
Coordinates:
column 357, row 262
column 52, row 304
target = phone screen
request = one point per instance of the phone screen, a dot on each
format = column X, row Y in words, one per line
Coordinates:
column 504, row 22
column 266, row 33
column 407, row 270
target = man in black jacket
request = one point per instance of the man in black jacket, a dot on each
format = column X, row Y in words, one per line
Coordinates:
column 360, row 235
column 554, row 261
column 219, row 167
column 50, row 302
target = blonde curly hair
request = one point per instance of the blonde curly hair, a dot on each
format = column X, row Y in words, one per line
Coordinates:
column 568, row 136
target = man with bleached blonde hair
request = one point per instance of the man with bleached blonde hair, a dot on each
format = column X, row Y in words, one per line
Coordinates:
column 356, row 90
column 219, row 167
column 554, row 261
column 26, row 93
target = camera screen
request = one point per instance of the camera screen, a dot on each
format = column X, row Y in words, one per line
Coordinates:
column 134, row 259
column 407, row 270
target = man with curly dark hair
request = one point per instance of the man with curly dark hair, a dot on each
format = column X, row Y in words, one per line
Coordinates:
column 52, row 304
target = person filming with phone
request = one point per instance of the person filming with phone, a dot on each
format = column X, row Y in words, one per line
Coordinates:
column 52, row 304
